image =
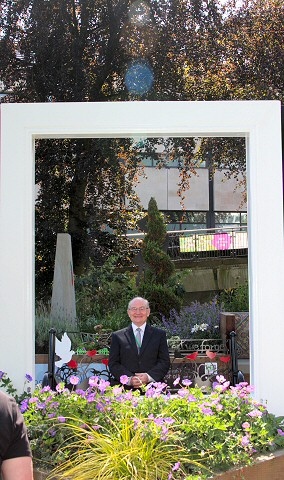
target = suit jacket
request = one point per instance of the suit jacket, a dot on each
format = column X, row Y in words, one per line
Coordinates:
column 153, row 357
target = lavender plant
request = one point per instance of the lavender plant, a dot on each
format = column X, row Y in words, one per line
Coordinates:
column 198, row 320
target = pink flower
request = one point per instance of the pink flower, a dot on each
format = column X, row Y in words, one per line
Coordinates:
column 60, row 387
column 186, row 382
column 117, row 390
column 246, row 425
column 176, row 382
column 255, row 413
column 124, row 379
column 74, row 380
column 245, row 441
column 93, row 381
column 176, row 467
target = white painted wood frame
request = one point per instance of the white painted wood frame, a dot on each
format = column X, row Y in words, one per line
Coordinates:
column 258, row 121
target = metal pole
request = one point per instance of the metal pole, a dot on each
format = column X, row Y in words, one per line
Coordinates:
column 49, row 377
column 237, row 375
column 234, row 358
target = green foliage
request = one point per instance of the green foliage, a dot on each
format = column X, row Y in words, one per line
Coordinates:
column 72, row 198
column 7, row 385
column 160, row 266
column 102, row 296
column 43, row 323
column 235, row 299
column 155, row 224
column 79, row 52
column 162, row 299
column 158, row 284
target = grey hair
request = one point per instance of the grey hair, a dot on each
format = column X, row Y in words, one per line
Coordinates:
column 138, row 298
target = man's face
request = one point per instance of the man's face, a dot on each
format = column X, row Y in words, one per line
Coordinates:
column 138, row 312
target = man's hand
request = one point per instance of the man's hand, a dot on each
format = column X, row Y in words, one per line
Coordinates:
column 143, row 377
column 139, row 379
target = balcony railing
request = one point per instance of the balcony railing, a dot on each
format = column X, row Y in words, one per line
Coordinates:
column 209, row 243
column 205, row 243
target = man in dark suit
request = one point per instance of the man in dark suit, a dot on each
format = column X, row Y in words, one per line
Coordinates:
column 141, row 355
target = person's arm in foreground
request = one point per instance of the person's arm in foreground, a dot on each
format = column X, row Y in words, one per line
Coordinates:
column 20, row 468
column 15, row 452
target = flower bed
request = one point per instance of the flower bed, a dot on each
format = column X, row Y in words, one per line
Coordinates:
column 153, row 435
column 188, row 435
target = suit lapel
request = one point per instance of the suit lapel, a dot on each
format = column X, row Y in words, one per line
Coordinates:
column 146, row 337
column 130, row 337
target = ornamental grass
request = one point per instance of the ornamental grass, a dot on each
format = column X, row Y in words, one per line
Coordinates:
column 133, row 449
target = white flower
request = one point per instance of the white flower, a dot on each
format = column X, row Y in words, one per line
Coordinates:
column 203, row 327
column 195, row 328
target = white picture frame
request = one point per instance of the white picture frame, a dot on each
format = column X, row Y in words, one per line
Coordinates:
column 258, row 121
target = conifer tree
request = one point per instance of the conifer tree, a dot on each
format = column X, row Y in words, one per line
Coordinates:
column 158, row 285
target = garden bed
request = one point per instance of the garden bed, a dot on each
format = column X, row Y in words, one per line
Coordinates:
column 266, row 467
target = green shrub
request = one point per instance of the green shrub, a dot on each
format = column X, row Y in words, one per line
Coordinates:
column 162, row 299
column 102, row 296
column 235, row 299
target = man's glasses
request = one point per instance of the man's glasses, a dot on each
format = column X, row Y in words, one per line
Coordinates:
column 138, row 309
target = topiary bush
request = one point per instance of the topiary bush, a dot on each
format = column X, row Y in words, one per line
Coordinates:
column 158, row 284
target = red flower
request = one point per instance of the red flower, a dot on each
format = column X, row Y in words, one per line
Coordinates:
column 105, row 361
column 225, row 359
column 210, row 354
column 72, row 364
column 192, row 356
column 92, row 353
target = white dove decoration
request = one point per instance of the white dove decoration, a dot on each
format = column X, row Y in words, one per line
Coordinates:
column 63, row 350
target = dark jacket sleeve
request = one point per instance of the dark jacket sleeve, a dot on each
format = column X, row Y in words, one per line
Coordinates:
column 162, row 364
column 117, row 366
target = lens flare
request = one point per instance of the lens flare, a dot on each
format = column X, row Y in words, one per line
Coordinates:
column 139, row 78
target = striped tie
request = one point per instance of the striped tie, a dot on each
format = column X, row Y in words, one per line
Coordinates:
column 138, row 338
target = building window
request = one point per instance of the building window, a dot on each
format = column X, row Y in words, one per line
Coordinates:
column 180, row 220
column 230, row 219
